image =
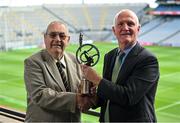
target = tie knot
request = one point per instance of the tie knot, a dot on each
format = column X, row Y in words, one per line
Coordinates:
column 59, row 64
column 121, row 55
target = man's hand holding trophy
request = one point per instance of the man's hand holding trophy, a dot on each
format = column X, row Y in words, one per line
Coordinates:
column 87, row 55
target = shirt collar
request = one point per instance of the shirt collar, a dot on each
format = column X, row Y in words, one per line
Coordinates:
column 127, row 50
column 62, row 61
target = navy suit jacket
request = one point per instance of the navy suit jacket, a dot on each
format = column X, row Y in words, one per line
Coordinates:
column 132, row 96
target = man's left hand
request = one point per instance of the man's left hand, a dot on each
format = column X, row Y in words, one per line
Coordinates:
column 91, row 75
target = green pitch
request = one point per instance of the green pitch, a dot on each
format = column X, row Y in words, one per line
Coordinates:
column 13, row 95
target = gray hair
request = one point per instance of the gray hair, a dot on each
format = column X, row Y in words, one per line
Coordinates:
column 125, row 10
column 51, row 23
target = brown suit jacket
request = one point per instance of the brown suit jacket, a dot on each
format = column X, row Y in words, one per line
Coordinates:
column 47, row 99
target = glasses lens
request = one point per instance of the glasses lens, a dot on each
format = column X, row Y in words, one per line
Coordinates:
column 53, row 34
column 61, row 35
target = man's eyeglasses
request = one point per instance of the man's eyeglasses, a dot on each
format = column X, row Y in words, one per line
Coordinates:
column 61, row 35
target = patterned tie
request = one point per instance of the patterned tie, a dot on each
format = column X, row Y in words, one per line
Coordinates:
column 117, row 66
column 116, row 69
column 63, row 76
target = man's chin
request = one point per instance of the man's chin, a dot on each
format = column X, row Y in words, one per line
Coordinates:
column 125, row 41
column 57, row 51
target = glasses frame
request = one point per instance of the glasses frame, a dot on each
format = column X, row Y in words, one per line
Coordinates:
column 61, row 35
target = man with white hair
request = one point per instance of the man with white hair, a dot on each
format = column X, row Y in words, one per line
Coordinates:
column 126, row 91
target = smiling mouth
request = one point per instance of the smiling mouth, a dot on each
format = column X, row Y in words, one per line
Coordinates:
column 57, row 45
column 126, row 34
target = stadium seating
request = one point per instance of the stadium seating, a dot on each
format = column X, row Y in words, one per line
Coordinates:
column 24, row 26
column 164, row 28
column 160, row 29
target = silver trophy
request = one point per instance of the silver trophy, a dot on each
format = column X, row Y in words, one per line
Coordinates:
column 85, row 86
column 86, row 54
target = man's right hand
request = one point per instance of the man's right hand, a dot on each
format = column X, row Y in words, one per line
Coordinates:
column 83, row 102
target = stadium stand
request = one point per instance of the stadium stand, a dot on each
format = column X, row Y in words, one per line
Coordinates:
column 164, row 28
column 23, row 27
column 168, row 8
column 95, row 21
column 172, row 40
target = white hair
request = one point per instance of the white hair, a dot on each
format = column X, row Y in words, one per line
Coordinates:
column 125, row 10
column 59, row 22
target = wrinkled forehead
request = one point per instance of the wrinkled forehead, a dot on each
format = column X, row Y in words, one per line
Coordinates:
column 57, row 27
column 126, row 15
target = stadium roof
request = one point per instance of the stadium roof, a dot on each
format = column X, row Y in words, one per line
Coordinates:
column 40, row 2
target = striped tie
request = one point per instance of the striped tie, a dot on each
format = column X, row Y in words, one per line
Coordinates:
column 63, row 76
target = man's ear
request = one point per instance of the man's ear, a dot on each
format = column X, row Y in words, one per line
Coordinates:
column 69, row 39
column 44, row 35
column 139, row 27
column 113, row 30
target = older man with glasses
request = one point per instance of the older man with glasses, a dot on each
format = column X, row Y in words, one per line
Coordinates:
column 52, row 77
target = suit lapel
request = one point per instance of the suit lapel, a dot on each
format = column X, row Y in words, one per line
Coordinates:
column 109, row 64
column 71, row 71
column 129, row 62
column 52, row 69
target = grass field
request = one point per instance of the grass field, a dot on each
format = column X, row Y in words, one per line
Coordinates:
column 12, row 90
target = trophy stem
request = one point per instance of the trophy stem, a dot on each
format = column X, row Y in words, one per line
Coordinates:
column 85, row 87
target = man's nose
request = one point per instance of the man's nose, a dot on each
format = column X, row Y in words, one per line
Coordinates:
column 58, row 38
column 125, row 26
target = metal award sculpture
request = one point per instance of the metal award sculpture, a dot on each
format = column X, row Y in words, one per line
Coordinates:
column 89, row 55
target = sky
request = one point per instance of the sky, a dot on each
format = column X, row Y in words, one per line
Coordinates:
column 40, row 2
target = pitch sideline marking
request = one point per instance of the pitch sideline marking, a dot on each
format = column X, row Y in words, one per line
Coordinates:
column 167, row 106
column 13, row 100
column 170, row 74
column 170, row 115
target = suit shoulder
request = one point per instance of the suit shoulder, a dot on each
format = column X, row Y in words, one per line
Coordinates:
column 111, row 51
column 35, row 56
column 147, row 52
column 71, row 56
